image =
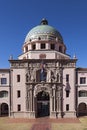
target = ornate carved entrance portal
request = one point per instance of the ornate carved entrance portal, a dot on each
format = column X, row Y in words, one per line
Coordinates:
column 42, row 105
column 44, row 90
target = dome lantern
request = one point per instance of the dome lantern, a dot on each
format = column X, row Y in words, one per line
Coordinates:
column 44, row 22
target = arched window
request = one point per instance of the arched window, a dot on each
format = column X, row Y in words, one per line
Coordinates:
column 82, row 93
column 60, row 48
column 3, row 94
column 26, row 48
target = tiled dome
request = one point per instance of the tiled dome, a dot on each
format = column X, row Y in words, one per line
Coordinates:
column 43, row 32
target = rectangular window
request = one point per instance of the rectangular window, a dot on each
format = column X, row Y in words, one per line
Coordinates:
column 67, row 93
column 26, row 48
column 67, row 107
column 18, row 78
column 67, row 77
column 60, row 48
column 42, row 45
column 52, row 46
column 33, row 47
column 82, row 93
column 18, row 107
column 82, row 80
column 18, row 94
column 3, row 80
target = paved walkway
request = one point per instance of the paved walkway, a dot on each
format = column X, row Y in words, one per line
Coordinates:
column 43, row 123
column 43, row 120
column 44, row 126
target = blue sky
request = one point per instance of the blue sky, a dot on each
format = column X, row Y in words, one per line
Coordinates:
column 17, row 17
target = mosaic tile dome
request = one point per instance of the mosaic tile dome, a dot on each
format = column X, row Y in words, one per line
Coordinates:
column 43, row 32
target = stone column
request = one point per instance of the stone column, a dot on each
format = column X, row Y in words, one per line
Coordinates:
column 59, row 103
column 29, row 98
column 54, row 98
column 35, row 106
column 27, row 101
column 32, row 104
column 33, row 101
column 51, row 102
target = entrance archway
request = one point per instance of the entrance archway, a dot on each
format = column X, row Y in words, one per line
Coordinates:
column 82, row 109
column 4, row 109
column 43, row 104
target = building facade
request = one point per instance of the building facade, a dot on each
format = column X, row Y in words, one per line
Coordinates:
column 81, row 91
column 44, row 80
column 4, row 92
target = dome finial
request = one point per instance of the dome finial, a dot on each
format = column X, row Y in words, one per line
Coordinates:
column 74, row 57
column 44, row 22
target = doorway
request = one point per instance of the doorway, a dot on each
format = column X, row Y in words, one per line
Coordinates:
column 82, row 109
column 43, row 105
column 4, row 109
